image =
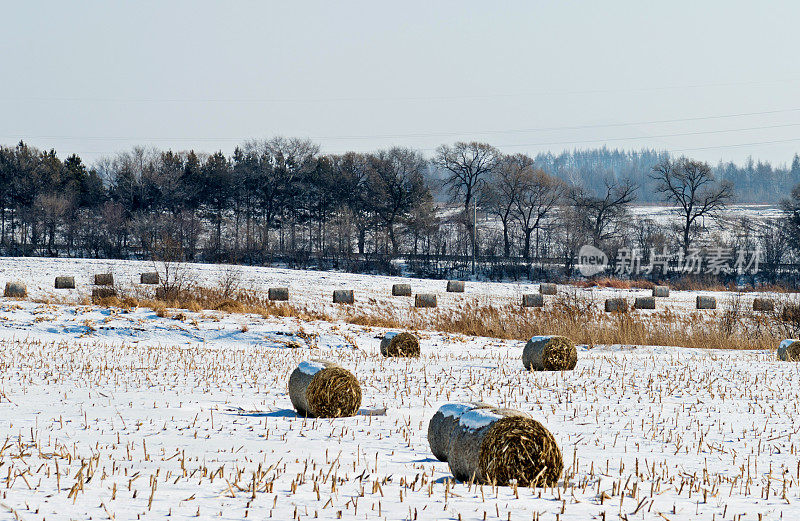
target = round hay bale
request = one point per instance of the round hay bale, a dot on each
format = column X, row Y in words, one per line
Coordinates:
column 425, row 300
column 763, row 304
column 401, row 345
column 704, row 302
column 645, row 303
column 548, row 289
column 616, row 305
column 789, row 350
column 455, row 286
column 15, row 290
column 104, row 279
column 532, row 300
column 149, row 278
column 65, row 283
column 661, row 291
column 343, row 296
column 322, row 389
column 501, row 446
column 443, row 424
column 278, row 293
column 104, row 292
column 549, row 353
column 401, row 290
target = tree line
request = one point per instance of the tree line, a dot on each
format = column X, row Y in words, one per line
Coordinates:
column 755, row 181
column 282, row 199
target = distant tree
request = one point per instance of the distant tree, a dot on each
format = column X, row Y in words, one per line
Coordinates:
column 285, row 162
column 468, row 166
column 646, row 235
column 396, row 186
column 422, row 223
column 503, row 189
column 216, row 192
column 7, row 174
column 539, row 194
column 247, row 177
column 352, row 189
column 601, row 208
column 791, row 218
column 167, row 184
column 774, row 244
column 320, row 196
column 694, row 191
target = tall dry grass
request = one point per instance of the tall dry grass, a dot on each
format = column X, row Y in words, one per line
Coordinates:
column 590, row 326
column 685, row 283
column 572, row 314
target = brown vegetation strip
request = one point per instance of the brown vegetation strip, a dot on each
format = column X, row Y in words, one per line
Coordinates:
column 570, row 315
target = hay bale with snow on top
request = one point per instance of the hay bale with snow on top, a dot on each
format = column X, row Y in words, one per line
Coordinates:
column 763, row 304
column 425, row 300
column 704, row 302
column 278, row 293
column 502, row 446
column 455, row 286
column 104, row 279
column 616, row 305
column 401, row 290
column 343, row 296
column 548, row 288
column 532, row 300
column 15, row 290
column 644, row 303
column 661, row 291
column 400, row 345
column 549, row 353
column 149, row 278
column 322, row 389
column 65, row 282
column 443, row 424
column 789, row 350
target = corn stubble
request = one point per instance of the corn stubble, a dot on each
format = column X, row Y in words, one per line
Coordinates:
column 157, row 431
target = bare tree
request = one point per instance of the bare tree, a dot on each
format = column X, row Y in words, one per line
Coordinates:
column 774, row 244
column 352, row 173
column 468, row 165
column 600, row 210
column 539, row 193
column 503, row 190
column 283, row 162
column 791, row 218
column 695, row 192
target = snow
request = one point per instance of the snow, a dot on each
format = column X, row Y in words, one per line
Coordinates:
column 310, row 367
column 786, row 343
column 455, row 410
column 112, row 415
column 478, row 418
column 540, row 338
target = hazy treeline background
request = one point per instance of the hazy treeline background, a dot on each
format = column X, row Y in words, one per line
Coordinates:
column 281, row 200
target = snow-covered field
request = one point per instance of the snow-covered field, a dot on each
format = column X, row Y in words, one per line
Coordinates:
column 756, row 212
column 111, row 415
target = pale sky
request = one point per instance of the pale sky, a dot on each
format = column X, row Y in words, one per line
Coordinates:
column 712, row 80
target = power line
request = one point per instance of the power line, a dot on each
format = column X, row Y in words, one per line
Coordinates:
column 772, row 142
column 654, row 136
column 673, row 150
column 432, row 134
column 560, row 92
